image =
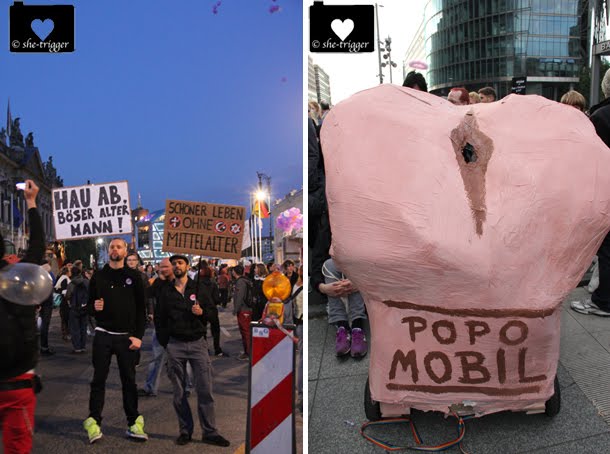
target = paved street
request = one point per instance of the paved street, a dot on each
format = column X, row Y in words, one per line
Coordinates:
column 336, row 394
column 63, row 404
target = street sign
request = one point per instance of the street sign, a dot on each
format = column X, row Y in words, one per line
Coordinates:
column 602, row 48
column 518, row 85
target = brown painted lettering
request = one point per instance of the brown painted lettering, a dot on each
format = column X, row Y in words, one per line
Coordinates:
column 522, row 377
column 501, row 360
column 413, row 328
column 473, row 332
column 446, row 364
column 476, row 366
column 405, row 362
column 444, row 324
column 504, row 332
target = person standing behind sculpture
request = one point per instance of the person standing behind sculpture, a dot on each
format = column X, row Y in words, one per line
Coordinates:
column 19, row 352
column 599, row 302
column 487, row 94
column 574, row 99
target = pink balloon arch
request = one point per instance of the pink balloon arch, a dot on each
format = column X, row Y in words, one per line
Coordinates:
column 290, row 221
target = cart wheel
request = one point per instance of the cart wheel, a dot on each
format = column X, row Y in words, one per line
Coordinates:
column 372, row 409
column 553, row 405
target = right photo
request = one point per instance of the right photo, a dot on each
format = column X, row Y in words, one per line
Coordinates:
column 458, row 226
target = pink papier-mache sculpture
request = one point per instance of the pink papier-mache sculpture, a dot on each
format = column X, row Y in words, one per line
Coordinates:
column 463, row 227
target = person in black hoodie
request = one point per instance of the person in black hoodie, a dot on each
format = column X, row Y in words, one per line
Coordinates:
column 19, row 347
column 599, row 302
column 77, row 296
column 209, row 295
column 180, row 326
column 117, row 300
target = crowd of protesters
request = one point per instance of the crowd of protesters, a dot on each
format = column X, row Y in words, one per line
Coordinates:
column 113, row 306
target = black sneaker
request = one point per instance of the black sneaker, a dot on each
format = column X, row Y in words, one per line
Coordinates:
column 216, row 440
column 183, row 439
column 47, row 352
column 219, row 353
column 144, row 393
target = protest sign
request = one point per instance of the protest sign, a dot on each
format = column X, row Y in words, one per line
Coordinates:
column 203, row 229
column 91, row 210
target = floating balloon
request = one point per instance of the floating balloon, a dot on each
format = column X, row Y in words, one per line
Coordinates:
column 276, row 285
column 290, row 221
column 418, row 64
column 26, row 284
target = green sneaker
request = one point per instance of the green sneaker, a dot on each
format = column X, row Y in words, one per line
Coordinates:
column 137, row 430
column 93, row 429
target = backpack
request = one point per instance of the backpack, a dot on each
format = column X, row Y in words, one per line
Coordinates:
column 250, row 299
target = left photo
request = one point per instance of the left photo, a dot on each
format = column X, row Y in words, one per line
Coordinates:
column 151, row 226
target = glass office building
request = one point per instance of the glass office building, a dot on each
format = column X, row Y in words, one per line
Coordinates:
column 478, row 43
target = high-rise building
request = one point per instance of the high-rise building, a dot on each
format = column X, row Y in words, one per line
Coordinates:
column 416, row 51
column 477, row 43
column 318, row 83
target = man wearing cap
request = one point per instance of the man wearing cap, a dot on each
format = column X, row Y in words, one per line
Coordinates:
column 180, row 330
column 118, row 301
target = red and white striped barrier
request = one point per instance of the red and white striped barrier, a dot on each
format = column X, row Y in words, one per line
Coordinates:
column 271, row 419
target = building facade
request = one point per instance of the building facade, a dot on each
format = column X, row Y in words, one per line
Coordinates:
column 288, row 246
column 416, row 51
column 318, row 83
column 477, row 43
column 20, row 160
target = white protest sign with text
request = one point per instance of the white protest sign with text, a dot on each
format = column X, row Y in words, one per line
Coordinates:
column 91, row 210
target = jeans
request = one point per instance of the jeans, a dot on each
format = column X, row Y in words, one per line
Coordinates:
column 243, row 320
column 104, row 346
column 155, row 366
column 46, row 311
column 78, row 329
column 224, row 296
column 336, row 308
column 601, row 296
column 195, row 353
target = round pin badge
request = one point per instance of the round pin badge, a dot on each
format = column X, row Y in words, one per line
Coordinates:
column 128, row 281
column 193, row 297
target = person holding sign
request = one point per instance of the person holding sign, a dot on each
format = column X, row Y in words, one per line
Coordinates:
column 19, row 352
column 180, row 330
column 117, row 300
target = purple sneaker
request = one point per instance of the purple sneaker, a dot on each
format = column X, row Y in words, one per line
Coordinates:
column 342, row 342
column 359, row 345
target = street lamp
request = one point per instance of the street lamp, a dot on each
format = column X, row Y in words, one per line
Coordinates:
column 267, row 178
column 379, row 43
column 388, row 56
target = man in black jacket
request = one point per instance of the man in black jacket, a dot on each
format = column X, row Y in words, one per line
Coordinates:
column 117, row 300
column 180, row 327
column 19, row 347
column 599, row 302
